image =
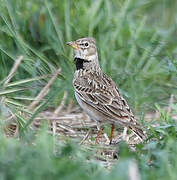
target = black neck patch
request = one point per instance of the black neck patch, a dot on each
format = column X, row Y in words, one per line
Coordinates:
column 79, row 62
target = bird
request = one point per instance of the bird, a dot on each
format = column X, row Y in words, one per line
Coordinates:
column 96, row 93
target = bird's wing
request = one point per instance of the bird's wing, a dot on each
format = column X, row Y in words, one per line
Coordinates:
column 102, row 94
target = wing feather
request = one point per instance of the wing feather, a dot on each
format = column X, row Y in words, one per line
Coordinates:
column 103, row 95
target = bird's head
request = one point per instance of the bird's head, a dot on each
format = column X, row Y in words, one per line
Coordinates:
column 85, row 48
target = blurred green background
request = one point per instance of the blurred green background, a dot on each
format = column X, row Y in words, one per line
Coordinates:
column 137, row 44
column 136, row 39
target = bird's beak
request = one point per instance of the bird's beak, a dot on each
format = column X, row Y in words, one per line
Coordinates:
column 73, row 44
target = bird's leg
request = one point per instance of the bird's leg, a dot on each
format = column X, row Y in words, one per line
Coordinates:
column 98, row 135
column 100, row 131
column 112, row 132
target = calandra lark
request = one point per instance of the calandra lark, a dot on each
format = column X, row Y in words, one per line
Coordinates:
column 98, row 94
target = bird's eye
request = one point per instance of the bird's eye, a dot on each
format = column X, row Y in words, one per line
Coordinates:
column 86, row 44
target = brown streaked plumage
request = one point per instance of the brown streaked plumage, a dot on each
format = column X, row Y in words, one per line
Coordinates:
column 98, row 94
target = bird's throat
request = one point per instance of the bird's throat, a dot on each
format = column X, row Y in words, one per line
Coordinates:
column 80, row 62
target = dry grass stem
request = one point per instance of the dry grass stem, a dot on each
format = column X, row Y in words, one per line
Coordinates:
column 60, row 107
column 13, row 70
column 43, row 93
column 85, row 137
column 8, row 78
column 70, row 106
